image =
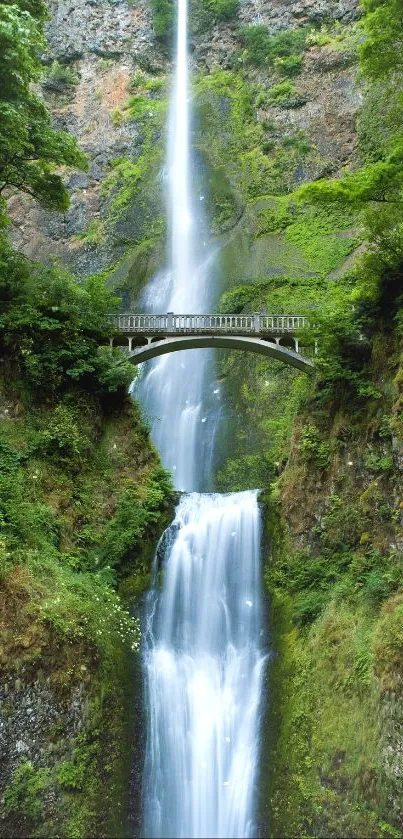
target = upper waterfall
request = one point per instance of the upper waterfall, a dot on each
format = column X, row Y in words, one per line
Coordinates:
column 185, row 441
column 180, row 202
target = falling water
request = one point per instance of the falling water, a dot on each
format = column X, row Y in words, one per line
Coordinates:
column 172, row 392
column 204, row 666
column 203, row 650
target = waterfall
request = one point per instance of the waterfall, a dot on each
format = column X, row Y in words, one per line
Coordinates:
column 203, row 657
column 172, row 392
column 204, row 666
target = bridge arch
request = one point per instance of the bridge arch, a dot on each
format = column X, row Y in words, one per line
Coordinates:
column 234, row 342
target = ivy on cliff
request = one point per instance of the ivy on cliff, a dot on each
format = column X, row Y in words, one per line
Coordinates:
column 29, row 147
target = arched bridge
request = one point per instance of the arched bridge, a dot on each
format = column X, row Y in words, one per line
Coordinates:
column 275, row 336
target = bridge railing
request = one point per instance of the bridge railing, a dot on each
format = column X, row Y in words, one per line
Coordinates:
column 257, row 322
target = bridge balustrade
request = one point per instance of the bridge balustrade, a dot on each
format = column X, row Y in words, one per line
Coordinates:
column 153, row 324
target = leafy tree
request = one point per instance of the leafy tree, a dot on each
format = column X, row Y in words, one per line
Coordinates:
column 29, row 147
column 51, row 329
column 262, row 48
column 382, row 51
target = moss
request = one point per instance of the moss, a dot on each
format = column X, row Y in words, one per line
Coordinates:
column 61, row 614
column 94, row 235
column 133, row 186
column 321, row 731
column 388, row 646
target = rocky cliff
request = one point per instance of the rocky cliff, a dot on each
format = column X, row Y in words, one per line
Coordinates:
column 278, row 105
column 103, row 54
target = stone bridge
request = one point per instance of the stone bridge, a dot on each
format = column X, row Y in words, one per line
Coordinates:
column 275, row 336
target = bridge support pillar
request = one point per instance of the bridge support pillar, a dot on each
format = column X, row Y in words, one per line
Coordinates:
column 296, row 342
column 130, row 342
column 111, row 342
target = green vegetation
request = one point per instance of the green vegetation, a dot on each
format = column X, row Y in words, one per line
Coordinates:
column 94, row 235
column 60, row 78
column 163, row 12
column 82, row 502
column 83, row 497
column 222, row 9
column 29, row 147
column 282, row 52
column 245, row 158
column 137, row 205
column 280, row 93
column 326, row 452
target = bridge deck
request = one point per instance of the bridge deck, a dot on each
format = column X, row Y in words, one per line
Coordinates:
column 171, row 324
column 275, row 336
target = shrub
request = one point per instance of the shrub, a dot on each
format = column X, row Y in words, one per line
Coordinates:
column 280, row 93
column 117, row 117
column 261, row 48
column 314, row 447
column 289, row 66
column 222, row 9
column 51, row 329
column 388, row 646
column 308, row 605
column 60, row 77
column 24, row 795
column 63, row 440
column 163, row 12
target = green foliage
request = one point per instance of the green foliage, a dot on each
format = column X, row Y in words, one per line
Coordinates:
column 94, row 235
column 388, row 645
column 135, row 186
column 60, row 77
column 135, row 512
column 117, row 117
column 25, row 794
column 381, row 52
column 51, row 328
column 163, row 12
column 261, row 48
column 221, row 9
column 81, row 606
column 314, row 447
column 29, row 147
column 280, row 93
column 379, row 182
column 71, row 775
column 319, row 37
column 63, row 439
column 259, row 469
column 289, row 66
column 378, row 461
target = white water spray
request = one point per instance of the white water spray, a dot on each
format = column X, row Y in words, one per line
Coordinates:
column 173, row 389
column 203, row 652
column 204, row 666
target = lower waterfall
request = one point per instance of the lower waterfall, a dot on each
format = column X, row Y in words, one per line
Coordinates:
column 204, row 661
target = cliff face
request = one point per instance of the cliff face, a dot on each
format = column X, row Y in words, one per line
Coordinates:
column 71, row 526
column 101, row 54
column 98, row 44
column 275, row 108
